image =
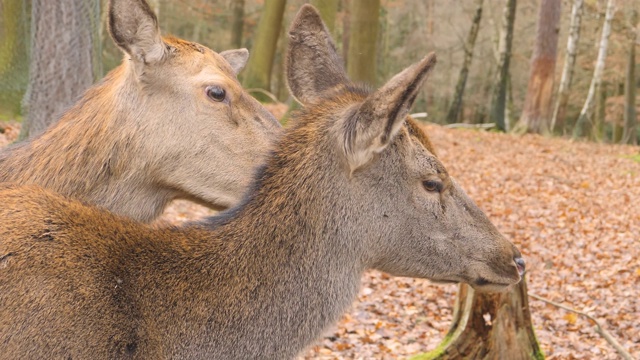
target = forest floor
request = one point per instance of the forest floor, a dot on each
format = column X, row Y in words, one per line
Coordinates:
column 573, row 210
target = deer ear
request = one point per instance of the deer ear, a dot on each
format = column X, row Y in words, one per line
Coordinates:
column 236, row 58
column 313, row 64
column 134, row 28
column 374, row 124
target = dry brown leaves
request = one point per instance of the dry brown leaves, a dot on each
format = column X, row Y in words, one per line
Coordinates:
column 572, row 208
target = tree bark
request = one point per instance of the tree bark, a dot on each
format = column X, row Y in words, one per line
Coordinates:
column 499, row 97
column 630, row 135
column 328, row 10
column 456, row 104
column 489, row 326
column 585, row 122
column 237, row 23
column 62, row 60
column 536, row 114
column 258, row 73
column 569, row 63
column 361, row 62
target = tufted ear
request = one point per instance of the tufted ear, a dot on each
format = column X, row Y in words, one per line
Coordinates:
column 313, row 64
column 134, row 28
column 373, row 126
column 236, row 58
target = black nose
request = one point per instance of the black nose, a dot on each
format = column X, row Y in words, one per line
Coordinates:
column 519, row 264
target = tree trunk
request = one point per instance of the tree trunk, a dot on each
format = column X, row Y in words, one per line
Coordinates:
column 258, row 73
column 456, row 104
column 536, row 114
column 630, row 135
column 361, row 62
column 569, row 63
column 61, row 68
column 584, row 120
column 489, row 326
column 237, row 23
column 600, row 113
column 499, row 97
column 328, row 10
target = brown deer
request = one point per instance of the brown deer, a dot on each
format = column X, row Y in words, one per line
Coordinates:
column 171, row 122
column 350, row 187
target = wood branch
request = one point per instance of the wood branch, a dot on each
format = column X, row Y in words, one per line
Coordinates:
column 598, row 327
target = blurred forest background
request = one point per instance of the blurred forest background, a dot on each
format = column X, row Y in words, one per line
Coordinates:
column 496, row 65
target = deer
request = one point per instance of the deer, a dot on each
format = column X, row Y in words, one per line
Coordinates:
column 349, row 186
column 171, row 122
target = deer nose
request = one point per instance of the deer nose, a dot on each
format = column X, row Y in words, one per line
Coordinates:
column 520, row 265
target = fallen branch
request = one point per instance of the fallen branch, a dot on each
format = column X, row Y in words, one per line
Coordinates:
column 598, row 328
column 265, row 93
column 471, row 126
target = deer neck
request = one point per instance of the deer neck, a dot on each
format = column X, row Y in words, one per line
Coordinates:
column 83, row 154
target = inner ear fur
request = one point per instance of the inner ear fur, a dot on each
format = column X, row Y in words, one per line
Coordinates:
column 313, row 65
column 134, row 28
column 379, row 118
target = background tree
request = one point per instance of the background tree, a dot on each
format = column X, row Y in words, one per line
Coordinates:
column 584, row 120
column 569, row 63
column 328, row 10
column 630, row 135
column 237, row 23
column 499, row 97
column 361, row 62
column 258, row 72
column 456, row 105
column 536, row 115
column 63, row 60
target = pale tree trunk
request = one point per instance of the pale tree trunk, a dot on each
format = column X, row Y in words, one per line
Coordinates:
column 489, row 326
column 62, row 59
column 258, row 73
column 456, row 104
column 237, row 23
column 536, row 114
column 569, row 63
column 328, row 10
column 499, row 96
column 630, row 135
column 361, row 59
column 584, row 120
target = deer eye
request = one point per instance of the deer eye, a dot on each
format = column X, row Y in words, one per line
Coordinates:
column 216, row 93
column 432, row 185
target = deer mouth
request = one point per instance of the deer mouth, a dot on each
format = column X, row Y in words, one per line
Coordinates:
column 482, row 284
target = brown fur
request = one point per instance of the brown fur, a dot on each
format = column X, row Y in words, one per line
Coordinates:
column 264, row 279
column 147, row 133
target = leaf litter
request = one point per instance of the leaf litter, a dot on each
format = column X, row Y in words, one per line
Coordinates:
column 573, row 208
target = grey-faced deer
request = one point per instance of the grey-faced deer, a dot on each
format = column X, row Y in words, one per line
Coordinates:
column 350, row 187
column 171, row 122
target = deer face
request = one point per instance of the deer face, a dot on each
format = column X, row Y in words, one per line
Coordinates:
column 189, row 90
column 417, row 220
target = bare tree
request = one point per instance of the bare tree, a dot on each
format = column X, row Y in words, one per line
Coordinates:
column 328, row 10
column 361, row 59
column 584, row 120
column 569, row 63
column 499, row 98
column 536, row 114
column 630, row 135
column 237, row 22
column 62, row 61
column 258, row 72
column 456, row 104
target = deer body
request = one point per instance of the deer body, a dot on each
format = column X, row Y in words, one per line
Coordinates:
column 351, row 186
column 148, row 133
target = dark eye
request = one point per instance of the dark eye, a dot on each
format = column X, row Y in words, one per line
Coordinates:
column 432, row 185
column 216, row 93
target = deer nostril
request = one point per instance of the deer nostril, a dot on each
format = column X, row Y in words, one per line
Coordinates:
column 520, row 265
